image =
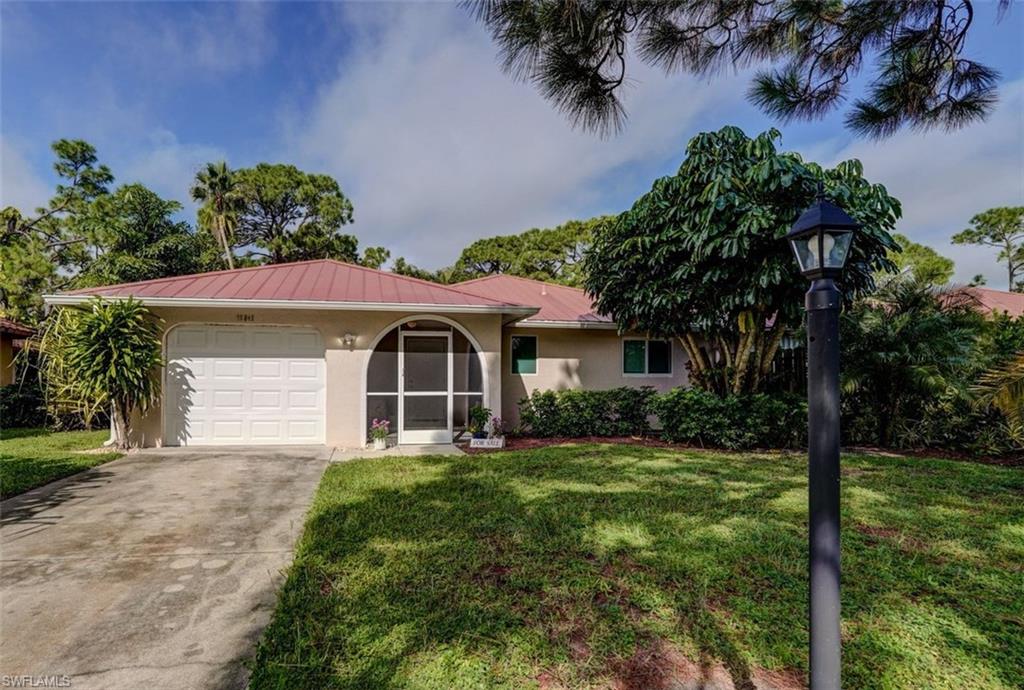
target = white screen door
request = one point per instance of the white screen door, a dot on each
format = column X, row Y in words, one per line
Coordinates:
column 425, row 387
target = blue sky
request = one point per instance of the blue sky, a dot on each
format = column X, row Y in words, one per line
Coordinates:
column 404, row 105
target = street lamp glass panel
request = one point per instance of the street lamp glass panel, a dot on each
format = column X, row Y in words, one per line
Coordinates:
column 804, row 248
column 823, row 249
column 835, row 247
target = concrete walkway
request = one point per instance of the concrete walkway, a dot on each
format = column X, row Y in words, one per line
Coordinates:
column 345, row 454
column 158, row 570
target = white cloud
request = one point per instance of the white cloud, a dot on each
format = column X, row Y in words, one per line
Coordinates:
column 942, row 179
column 20, row 186
column 436, row 147
column 167, row 166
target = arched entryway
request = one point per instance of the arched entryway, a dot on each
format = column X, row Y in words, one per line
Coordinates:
column 423, row 374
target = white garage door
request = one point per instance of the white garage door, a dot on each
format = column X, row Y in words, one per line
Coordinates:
column 244, row 384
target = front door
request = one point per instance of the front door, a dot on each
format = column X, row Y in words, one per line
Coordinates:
column 425, row 387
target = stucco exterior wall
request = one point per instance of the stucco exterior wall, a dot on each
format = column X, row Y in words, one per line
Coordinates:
column 345, row 366
column 572, row 358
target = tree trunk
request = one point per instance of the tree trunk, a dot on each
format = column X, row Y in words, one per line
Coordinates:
column 222, row 235
column 120, row 425
column 769, row 349
column 746, row 342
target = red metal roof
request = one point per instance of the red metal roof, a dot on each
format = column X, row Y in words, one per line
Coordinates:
column 18, row 330
column 316, row 281
column 997, row 301
column 556, row 302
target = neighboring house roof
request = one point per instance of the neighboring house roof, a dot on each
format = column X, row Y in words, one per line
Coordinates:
column 560, row 305
column 307, row 284
column 997, row 301
column 13, row 328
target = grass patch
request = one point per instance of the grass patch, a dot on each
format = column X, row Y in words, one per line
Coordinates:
column 33, row 457
column 618, row 566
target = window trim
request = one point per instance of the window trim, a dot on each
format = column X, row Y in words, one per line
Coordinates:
column 647, row 358
column 536, row 354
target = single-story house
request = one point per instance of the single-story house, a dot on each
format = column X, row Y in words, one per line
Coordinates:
column 312, row 352
column 12, row 337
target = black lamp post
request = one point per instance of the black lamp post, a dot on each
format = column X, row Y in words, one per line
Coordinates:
column 821, row 240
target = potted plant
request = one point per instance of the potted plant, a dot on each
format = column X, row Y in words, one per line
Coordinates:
column 478, row 418
column 379, row 430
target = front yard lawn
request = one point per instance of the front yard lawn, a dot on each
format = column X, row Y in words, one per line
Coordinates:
column 620, row 566
column 33, row 457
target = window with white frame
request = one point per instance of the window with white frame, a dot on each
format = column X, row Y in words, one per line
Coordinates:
column 646, row 357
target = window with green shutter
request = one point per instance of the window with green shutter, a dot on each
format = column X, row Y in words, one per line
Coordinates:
column 524, row 354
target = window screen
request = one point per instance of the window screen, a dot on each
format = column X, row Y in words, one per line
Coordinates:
column 659, row 357
column 634, row 352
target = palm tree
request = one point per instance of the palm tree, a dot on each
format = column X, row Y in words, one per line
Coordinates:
column 217, row 190
column 904, row 344
column 1002, row 387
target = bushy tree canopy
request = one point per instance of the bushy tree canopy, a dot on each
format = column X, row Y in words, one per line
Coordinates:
column 921, row 261
column 551, row 254
column 702, row 256
column 576, row 52
column 289, row 215
column 141, row 240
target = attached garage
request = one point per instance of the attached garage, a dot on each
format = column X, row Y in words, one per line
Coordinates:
column 229, row 385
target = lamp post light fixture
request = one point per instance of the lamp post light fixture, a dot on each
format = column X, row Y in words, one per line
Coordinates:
column 821, row 240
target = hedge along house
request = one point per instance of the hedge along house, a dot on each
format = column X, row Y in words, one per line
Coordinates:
column 312, row 352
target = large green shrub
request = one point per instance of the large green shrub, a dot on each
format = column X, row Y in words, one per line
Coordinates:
column 22, row 405
column 737, row 421
column 576, row 413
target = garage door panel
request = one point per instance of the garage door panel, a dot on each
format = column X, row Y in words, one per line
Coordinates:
column 302, row 369
column 266, row 400
column 266, row 429
column 303, row 429
column 228, row 400
column 266, row 368
column 244, row 384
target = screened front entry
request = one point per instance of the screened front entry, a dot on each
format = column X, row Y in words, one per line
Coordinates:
column 423, row 378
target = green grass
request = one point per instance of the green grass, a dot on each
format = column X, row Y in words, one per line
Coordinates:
column 598, row 566
column 33, row 457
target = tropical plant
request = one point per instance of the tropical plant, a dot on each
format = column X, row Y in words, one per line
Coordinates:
column 702, row 256
column 65, row 394
column 576, row 53
column 216, row 189
column 1002, row 387
column 112, row 353
column 903, row 347
column 1002, row 228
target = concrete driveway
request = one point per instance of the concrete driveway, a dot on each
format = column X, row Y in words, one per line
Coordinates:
column 157, row 570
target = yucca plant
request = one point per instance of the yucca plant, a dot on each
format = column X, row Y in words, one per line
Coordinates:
column 112, row 352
